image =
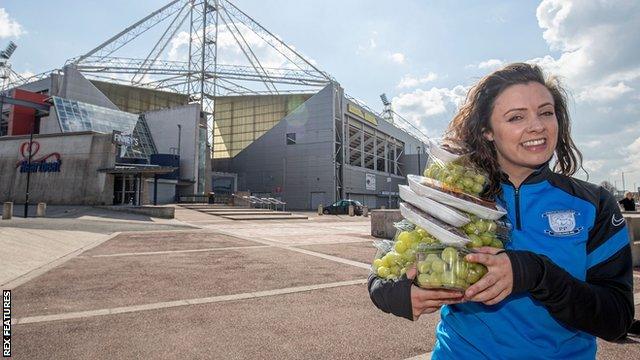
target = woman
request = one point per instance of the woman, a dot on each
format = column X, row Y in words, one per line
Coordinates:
column 565, row 277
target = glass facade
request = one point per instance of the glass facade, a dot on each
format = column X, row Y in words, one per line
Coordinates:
column 76, row 116
column 371, row 149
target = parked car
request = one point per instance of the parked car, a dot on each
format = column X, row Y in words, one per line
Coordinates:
column 342, row 207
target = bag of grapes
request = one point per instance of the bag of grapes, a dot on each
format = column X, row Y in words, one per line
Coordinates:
column 444, row 267
column 454, row 171
column 393, row 257
column 476, row 233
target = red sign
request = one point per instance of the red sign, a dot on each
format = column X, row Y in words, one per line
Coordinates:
column 37, row 164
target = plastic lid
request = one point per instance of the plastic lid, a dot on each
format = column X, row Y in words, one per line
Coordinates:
column 436, row 150
column 444, row 233
column 435, row 193
column 443, row 212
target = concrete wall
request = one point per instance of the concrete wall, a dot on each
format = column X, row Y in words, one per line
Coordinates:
column 78, row 182
column 163, row 125
column 297, row 170
column 76, row 87
column 138, row 100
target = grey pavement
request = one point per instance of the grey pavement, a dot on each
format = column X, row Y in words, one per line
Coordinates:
column 225, row 290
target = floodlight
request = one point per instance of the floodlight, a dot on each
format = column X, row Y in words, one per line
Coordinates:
column 6, row 53
column 384, row 99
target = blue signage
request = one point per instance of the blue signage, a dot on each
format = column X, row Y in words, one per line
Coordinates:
column 53, row 166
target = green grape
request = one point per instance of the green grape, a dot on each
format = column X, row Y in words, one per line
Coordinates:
column 449, row 255
column 477, row 188
column 480, row 179
column 438, row 266
column 421, row 232
column 479, row 268
column 395, row 270
column 432, row 257
column 392, row 258
column 481, row 226
column 434, row 280
column 448, row 278
column 400, row 246
column 377, row 263
column 468, row 183
column 403, row 271
column 487, row 238
column 491, row 226
column 383, row 271
column 473, row 275
column 475, row 240
column 424, row 267
column 497, row 244
column 470, row 228
column 461, row 269
column 423, row 280
column 409, row 256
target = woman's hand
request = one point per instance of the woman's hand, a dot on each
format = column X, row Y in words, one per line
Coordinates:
column 497, row 283
column 424, row 301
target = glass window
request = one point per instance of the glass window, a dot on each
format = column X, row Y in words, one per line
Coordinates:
column 291, row 138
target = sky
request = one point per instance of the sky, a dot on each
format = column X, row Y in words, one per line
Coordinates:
column 424, row 55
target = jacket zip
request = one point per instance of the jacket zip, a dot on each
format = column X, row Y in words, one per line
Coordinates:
column 517, row 200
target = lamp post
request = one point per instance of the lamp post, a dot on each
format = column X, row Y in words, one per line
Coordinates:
column 419, row 162
column 26, row 196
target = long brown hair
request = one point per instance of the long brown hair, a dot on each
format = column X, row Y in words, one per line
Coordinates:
column 467, row 128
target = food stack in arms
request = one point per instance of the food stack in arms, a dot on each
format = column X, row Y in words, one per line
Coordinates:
column 445, row 218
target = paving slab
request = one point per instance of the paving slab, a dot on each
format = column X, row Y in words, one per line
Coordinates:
column 358, row 251
column 265, row 217
column 90, row 283
column 337, row 323
column 166, row 241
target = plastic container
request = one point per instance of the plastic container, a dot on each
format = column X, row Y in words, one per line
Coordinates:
column 445, row 233
column 437, row 151
column 444, row 267
column 455, row 171
column 435, row 190
column 440, row 211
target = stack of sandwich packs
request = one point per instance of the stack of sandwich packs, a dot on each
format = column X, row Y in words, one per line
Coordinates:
column 445, row 219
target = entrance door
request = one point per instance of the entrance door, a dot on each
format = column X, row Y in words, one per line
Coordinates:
column 124, row 189
column 318, row 198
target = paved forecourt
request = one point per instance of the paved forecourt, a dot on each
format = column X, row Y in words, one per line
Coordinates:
column 232, row 290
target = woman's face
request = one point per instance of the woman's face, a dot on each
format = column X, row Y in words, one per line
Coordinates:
column 524, row 128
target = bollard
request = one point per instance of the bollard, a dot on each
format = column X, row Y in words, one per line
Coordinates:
column 7, row 211
column 352, row 211
column 320, row 207
column 383, row 207
column 41, row 210
column 365, row 211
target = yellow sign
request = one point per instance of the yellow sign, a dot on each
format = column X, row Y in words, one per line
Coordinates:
column 364, row 115
column 371, row 118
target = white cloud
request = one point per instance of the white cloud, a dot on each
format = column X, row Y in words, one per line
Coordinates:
column 490, row 64
column 397, row 58
column 409, row 81
column 8, row 26
column 593, row 165
column 604, row 93
column 429, row 109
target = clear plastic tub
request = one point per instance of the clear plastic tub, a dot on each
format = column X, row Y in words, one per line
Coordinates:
column 440, row 211
column 435, row 190
column 445, row 233
column 444, row 267
column 454, row 171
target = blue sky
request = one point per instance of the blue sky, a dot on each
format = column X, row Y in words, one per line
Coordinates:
column 423, row 54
